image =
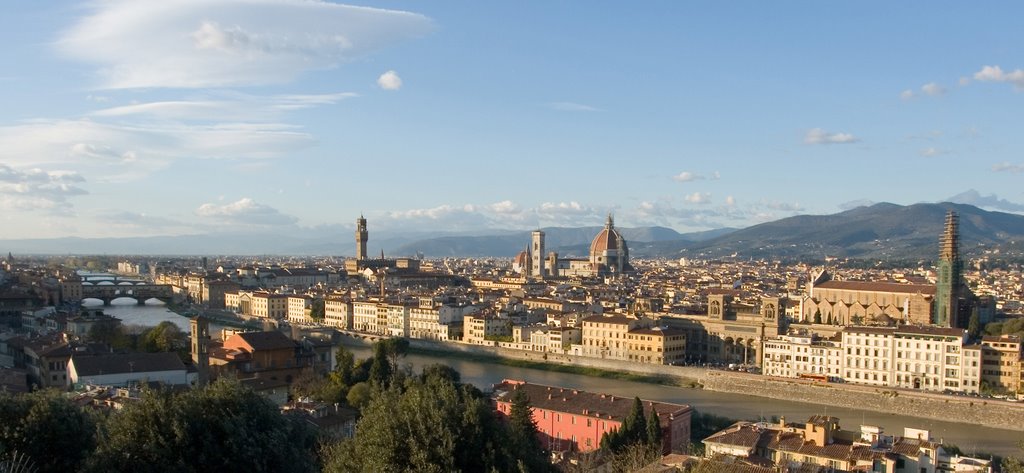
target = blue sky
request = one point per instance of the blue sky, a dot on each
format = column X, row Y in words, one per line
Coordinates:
column 134, row 118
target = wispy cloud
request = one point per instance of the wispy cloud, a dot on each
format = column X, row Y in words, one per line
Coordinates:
column 218, row 43
column 973, row 197
column 933, row 89
column 572, row 107
column 687, row 176
column 233, row 107
column 35, row 189
column 698, row 198
column 245, row 211
column 818, row 136
column 1008, row 167
column 931, row 151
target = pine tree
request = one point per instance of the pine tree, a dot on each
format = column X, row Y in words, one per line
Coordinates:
column 817, row 316
column 654, row 429
column 634, row 425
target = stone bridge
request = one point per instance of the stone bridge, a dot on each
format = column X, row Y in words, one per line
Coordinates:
column 141, row 291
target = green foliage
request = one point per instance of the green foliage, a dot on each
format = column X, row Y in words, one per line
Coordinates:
column 165, row 337
column 47, row 428
column 524, row 437
column 1008, row 327
column 316, row 311
column 380, row 369
column 1013, row 464
column 17, row 462
column 974, row 324
column 427, row 424
column 111, row 332
column 359, row 395
column 222, row 427
column 817, row 316
column 654, row 428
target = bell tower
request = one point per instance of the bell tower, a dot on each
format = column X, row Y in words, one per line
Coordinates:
column 361, row 238
column 200, row 337
column 537, row 254
column 947, row 288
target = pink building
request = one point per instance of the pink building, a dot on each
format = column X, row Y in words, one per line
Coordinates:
column 569, row 419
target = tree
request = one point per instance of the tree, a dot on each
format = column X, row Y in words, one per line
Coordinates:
column 974, row 324
column 1013, row 464
column 381, row 370
column 165, row 337
column 109, row 331
column 524, row 440
column 359, row 395
column 429, row 425
column 47, row 428
column 221, row 427
column 654, row 429
column 317, row 310
column 817, row 316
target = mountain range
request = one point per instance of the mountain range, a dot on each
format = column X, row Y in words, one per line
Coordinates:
column 880, row 231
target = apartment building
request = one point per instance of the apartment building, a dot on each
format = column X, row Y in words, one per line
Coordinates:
column 795, row 356
column 1001, row 363
column 658, row 345
column 930, row 358
column 605, row 336
column 868, row 357
column 299, row 309
column 338, row 312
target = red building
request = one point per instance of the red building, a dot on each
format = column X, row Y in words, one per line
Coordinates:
column 569, row 419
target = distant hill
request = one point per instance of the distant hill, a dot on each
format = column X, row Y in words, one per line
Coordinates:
column 564, row 240
column 880, row 231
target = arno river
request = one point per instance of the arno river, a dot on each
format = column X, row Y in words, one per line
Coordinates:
column 969, row 438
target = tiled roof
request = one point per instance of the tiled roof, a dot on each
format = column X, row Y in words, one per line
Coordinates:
column 94, row 365
column 582, row 402
column 272, row 340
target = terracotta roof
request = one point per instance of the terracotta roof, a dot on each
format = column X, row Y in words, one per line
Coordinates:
column 934, row 331
column 583, row 403
column 94, row 365
column 605, row 240
column 272, row 340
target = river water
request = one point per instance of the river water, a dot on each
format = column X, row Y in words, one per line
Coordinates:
column 132, row 314
column 970, row 438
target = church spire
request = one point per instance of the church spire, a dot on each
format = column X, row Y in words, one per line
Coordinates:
column 610, row 223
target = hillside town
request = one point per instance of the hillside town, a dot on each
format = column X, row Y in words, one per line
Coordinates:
column 950, row 328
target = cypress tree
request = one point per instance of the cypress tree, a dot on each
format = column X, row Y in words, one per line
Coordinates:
column 654, row 429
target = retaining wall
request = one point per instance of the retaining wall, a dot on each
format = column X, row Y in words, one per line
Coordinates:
column 968, row 410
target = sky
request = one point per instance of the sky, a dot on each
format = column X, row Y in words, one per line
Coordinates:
column 142, row 118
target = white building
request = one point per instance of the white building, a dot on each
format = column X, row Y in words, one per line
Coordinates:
column 120, row 370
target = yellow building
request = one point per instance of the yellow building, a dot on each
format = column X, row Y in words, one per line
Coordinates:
column 1001, row 363
column 658, row 345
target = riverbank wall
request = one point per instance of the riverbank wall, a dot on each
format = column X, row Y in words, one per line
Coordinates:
column 966, row 409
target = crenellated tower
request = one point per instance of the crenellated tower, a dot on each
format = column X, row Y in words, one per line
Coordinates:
column 362, row 236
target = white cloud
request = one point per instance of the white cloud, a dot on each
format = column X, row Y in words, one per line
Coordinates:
column 931, row 152
column 933, row 89
column 699, row 198
column 506, row 207
column 996, row 74
column 234, row 107
column 730, row 201
column 687, row 176
column 36, row 189
column 907, row 94
column 973, row 197
column 817, row 136
column 572, row 107
column 245, row 211
column 217, row 43
column 124, row 151
column 389, row 81
column 1008, row 167
column 856, row 203
column 964, row 81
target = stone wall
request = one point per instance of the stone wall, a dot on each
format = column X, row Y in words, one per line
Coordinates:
column 969, row 410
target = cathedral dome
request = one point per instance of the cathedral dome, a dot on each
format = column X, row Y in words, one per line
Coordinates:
column 608, row 242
